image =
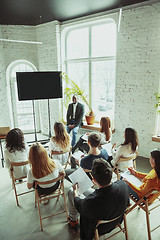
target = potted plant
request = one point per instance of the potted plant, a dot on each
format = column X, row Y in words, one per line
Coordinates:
column 75, row 89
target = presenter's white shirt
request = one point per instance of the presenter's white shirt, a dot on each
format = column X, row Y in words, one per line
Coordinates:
column 74, row 110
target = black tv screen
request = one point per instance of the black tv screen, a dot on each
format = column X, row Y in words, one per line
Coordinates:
column 39, row 85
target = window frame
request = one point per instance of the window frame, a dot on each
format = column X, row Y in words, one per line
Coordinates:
column 90, row 59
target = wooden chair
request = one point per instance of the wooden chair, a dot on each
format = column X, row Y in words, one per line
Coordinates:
column 56, row 194
column 14, row 179
column 143, row 204
column 54, row 153
column 116, row 169
column 118, row 227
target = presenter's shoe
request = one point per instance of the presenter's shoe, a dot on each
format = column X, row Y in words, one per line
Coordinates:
column 73, row 226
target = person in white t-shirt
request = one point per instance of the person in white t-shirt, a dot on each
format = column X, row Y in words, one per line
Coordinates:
column 43, row 169
column 127, row 149
column 60, row 142
column 16, row 150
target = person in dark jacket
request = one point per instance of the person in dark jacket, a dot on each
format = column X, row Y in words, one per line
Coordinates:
column 107, row 202
column 75, row 115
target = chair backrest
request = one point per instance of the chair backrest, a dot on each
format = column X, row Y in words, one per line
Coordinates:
column 142, row 201
column 107, row 221
column 124, row 159
column 59, row 152
column 124, row 230
column 61, row 177
column 17, row 164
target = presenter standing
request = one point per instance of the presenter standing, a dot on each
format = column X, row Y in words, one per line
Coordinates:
column 75, row 115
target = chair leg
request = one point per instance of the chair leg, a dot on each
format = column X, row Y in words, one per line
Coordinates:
column 40, row 218
column 35, row 199
column 96, row 236
column 148, row 223
column 14, row 186
column 65, row 203
column 125, row 226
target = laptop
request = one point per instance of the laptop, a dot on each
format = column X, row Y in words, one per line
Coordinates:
column 4, row 131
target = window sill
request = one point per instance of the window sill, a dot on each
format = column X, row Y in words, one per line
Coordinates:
column 95, row 126
column 155, row 139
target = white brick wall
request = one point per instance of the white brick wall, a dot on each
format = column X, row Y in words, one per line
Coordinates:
column 49, row 60
column 45, row 57
column 138, row 74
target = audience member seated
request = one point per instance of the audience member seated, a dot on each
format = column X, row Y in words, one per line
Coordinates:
column 60, row 142
column 42, row 169
column 150, row 181
column 107, row 202
column 105, row 132
column 16, row 150
column 87, row 161
column 126, row 149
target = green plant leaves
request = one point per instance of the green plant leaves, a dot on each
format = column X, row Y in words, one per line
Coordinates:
column 73, row 89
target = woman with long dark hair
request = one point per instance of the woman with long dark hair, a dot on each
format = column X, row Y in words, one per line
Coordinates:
column 127, row 149
column 16, row 150
column 42, row 169
column 105, row 132
column 150, row 181
column 60, row 142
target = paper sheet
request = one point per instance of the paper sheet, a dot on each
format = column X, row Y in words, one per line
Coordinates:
column 80, row 177
column 85, row 137
column 107, row 147
column 78, row 155
column 131, row 178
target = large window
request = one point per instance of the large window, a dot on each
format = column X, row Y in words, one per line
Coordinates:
column 89, row 60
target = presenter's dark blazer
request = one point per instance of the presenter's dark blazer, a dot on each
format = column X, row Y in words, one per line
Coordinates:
column 78, row 115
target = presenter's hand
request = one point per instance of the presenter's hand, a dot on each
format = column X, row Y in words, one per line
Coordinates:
column 71, row 126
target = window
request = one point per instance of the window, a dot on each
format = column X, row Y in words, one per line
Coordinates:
column 22, row 110
column 89, row 60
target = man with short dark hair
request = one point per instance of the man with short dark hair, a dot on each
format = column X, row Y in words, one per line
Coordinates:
column 75, row 115
column 87, row 161
column 94, row 140
column 107, row 202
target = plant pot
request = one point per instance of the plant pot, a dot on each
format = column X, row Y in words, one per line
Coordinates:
column 90, row 119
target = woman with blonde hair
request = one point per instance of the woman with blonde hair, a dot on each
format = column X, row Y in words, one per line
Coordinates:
column 43, row 169
column 60, row 142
